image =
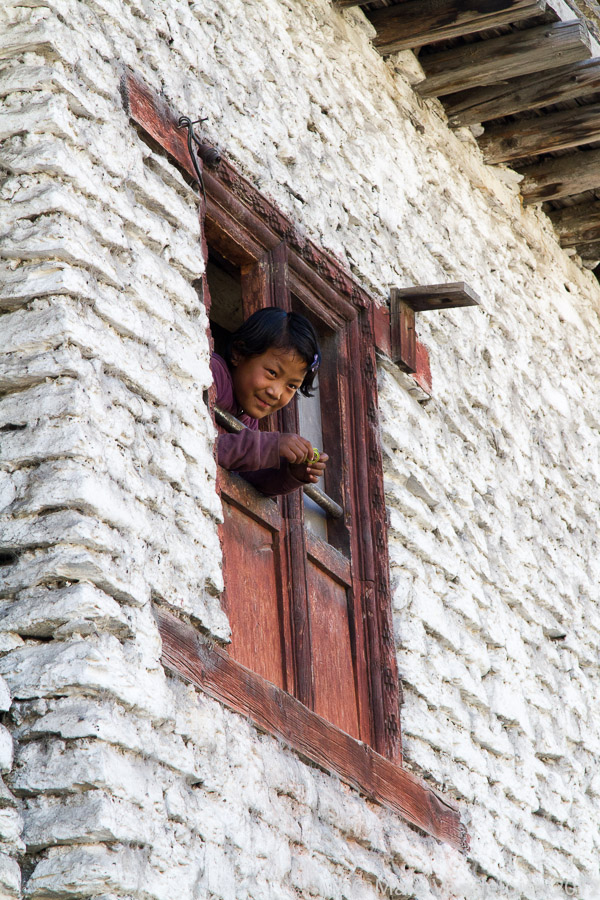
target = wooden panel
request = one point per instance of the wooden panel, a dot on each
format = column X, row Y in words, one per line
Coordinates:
column 274, row 711
column 518, row 94
column 333, row 670
column 418, row 22
column 528, row 137
column 561, row 177
column 491, row 61
column 252, row 598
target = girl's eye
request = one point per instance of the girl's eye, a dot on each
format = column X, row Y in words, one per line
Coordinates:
column 293, row 387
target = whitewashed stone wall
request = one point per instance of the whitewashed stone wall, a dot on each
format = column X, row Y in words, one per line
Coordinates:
column 130, row 783
column 11, row 820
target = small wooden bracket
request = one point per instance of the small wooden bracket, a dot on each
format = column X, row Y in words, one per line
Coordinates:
column 405, row 302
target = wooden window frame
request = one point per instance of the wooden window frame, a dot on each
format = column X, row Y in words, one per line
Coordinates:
column 239, row 220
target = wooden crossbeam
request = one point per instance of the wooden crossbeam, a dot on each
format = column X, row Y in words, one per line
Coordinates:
column 577, row 225
column 418, row 22
column 563, row 177
column 528, row 137
column 515, row 54
column 518, row 94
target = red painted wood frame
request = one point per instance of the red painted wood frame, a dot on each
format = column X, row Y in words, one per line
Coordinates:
column 246, row 228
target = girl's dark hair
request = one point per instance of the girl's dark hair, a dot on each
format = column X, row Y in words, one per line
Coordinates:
column 274, row 327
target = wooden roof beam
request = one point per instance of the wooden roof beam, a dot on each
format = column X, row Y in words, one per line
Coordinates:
column 529, row 137
column 577, row 225
column 509, row 56
column 346, row 4
column 589, row 251
column 518, row 94
column 418, row 22
column 563, row 177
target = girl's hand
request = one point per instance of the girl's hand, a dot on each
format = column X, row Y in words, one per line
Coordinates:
column 311, row 472
column 297, row 450
column 294, row 448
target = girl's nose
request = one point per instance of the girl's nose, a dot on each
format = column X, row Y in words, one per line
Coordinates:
column 274, row 391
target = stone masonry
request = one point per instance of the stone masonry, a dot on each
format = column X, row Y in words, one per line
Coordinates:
column 127, row 782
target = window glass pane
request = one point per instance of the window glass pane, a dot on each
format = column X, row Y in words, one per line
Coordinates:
column 309, row 412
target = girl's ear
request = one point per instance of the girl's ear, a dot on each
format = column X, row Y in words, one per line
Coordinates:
column 235, row 356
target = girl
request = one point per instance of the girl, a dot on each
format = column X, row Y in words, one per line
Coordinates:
column 268, row 359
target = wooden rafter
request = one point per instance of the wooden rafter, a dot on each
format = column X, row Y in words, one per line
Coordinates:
column 519, row 94
column 529, row 137
column 418, row 22
column 563, row 177
column 515, row 54
column 589, row 251
column 577, row 225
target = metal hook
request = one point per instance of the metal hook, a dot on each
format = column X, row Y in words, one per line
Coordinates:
column 191, row 140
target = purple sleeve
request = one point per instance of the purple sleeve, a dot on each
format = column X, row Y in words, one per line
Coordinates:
column 272, row 482
column 249, row 450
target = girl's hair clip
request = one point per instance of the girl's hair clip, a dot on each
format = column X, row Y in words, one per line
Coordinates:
column 315, row 363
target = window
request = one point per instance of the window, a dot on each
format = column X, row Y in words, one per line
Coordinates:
column 294, row 592
column 313, row 655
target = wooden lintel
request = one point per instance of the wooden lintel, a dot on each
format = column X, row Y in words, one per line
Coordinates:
column 276, row 712
column 509, row 56
column 577, row 224
column 146, row 107
column 428, row 297
column 418, row 22
column 562, row 177
column 529, row 137
column 234, row 201
column 519, row 94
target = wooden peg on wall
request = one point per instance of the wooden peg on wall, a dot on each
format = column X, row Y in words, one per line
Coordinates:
column 404, row 333
column 405, row 302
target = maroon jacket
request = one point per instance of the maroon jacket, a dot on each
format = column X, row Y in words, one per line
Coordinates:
column 252, row 453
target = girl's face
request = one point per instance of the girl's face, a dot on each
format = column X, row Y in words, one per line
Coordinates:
column 263, row 384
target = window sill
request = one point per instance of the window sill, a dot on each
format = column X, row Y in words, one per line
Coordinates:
column 274, row 711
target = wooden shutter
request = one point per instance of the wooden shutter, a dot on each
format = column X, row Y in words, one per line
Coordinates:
column 256, row 579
